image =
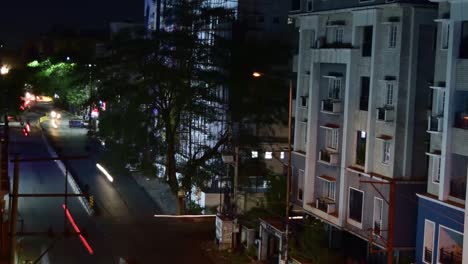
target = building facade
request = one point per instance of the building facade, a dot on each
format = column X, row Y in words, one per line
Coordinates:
column 441, row 208
column 360, row 116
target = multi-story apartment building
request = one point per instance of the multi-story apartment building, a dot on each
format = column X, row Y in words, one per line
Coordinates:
column 361, row 105
column 441, row 208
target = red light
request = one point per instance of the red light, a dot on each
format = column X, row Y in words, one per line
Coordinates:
column 28, row 128
column 72, row 221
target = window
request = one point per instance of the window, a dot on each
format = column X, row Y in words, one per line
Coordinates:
column 440, row 102
column 389, row 94
column 268, row 155
column 355, row 204
column 428, row 248
column 378, row 212
column 435, row 169
column 276, row 20
column 367, row 41
column 296, row 5
column 254, row 154
column 339, row 32
column 445, row 35
column 312, row 38
column 386, row 152
column 300, row 185
column 332, row 138
column 282, row 155
column 364, row 99
column 329, row 189
column 309, row 5
column 392, row 36
column 334, row 88
column 304, row 101
column 361, row 148
column 450, row 246
column 464, row 41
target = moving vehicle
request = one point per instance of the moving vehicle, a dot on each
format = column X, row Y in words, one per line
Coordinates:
column 76, row 123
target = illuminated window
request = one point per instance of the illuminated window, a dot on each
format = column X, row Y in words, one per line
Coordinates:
column 254, row 154
column 268, row 155
column 282, row 155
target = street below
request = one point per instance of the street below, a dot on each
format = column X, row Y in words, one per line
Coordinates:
column 124, row 226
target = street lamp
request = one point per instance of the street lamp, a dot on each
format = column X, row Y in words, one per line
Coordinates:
column 288, row 177
column 4, row 70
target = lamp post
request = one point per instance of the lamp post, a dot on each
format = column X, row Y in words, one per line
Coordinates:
column 4, row 70
column 288, row 176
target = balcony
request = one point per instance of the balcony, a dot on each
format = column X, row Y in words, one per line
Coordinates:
column 377, row 227
column 328, row 157
column 461, row 120
column 331, row 106
column 333, row 53
column 385, row 114
column 458, row 188
column 325, row 205
column 435, row 124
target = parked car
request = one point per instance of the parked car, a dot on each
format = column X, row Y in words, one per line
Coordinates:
column 76, row 123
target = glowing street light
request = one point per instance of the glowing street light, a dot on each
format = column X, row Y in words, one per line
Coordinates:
column 257, row 74
column 4, row 70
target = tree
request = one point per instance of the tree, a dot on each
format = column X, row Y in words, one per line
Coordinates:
column 164, row 93
column 68, row 80
column 12, row 89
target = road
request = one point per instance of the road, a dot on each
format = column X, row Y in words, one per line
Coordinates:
column 125, row 226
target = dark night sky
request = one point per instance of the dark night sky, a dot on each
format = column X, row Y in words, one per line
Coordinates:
column 21, row 19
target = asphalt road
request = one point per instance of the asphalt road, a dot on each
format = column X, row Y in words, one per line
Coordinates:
column 125, row 226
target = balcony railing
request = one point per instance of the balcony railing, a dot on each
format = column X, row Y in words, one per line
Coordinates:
column 461, row 120
column 325, row 205
column 330, row 105
column 328, row 157
column 435, row 123
column 458, row 188
column 449, row 257
column 385, row 114
column 427, row 255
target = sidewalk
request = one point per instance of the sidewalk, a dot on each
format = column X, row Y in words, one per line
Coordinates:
column 159, row 191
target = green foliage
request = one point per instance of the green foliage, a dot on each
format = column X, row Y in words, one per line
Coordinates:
column 157, row 90
column 69, row 80
column 276, row 194
column 11, row 86
column 310, row 243
column 194, row 208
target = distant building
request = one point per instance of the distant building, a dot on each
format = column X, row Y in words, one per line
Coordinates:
column 442, row 206
column 360, row 117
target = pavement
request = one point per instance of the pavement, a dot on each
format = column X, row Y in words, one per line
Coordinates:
column 124, row 226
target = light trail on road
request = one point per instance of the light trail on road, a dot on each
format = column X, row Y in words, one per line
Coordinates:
column 77, row 230
column 109, row 177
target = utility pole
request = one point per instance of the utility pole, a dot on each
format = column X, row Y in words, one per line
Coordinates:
column 14, row 211
column 391, row 218
column 288, row 179
column 391, row 223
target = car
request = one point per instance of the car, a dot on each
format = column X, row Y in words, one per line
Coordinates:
column 76, row 123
